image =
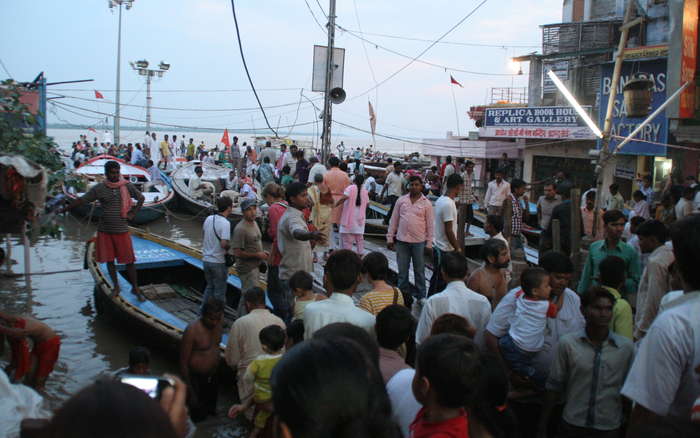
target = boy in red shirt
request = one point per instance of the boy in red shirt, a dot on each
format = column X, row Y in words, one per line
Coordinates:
column 447, row 373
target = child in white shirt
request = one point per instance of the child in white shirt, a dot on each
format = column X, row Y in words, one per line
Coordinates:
column 526, row 334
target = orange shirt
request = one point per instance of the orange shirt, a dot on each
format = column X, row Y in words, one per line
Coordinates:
column 337, row 181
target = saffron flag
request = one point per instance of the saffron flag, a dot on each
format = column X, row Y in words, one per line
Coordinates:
column 372, row 118
column 225, row 140
column 454, row 81
column 98, row 95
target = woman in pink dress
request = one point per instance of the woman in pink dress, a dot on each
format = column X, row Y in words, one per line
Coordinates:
column 353, row 217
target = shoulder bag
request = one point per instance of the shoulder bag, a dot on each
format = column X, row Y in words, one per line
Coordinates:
column 229, row 259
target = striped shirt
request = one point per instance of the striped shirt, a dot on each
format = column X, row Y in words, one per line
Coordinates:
column 375, row 301
column 111, row 220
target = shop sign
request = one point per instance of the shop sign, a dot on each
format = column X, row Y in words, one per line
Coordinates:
column 689, row 56
column 622, row 125
column 544, row 122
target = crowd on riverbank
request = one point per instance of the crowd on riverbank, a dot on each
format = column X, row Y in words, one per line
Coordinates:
column 488, row 353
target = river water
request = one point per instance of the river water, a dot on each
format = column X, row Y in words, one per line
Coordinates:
column 91, row 346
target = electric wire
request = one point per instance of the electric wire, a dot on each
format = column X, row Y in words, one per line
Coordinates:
column 173, row 108
column 63, row 105
column 424, row 51
column 245, row 65
column 323, row 28
column 234, row 90
column 9, row 75
column 422, row 61
column 455, row 43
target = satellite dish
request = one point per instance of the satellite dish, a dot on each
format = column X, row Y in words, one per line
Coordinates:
column 337, row 95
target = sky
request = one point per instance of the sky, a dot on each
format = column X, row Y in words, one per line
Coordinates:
column 77, row 39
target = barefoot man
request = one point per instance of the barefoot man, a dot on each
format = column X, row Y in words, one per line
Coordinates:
column 490, row 279
column 113, row 239
column 199, row 359
column 46, row 347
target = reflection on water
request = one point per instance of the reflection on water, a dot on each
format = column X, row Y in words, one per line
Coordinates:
column 90, row 345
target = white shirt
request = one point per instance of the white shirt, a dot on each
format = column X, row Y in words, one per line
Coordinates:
column 394, row 183
column 338, row 308
column 404, row 406
column 192, row 185
column 669, row 300
column 662, row 377
column 696, row 202
column 528, row 327
column 457, row 298
column 683, row 208
column 655, row 282
column 445, row 211
column 568, row 320
column 496, row 193
column 317, row 168
column 370, row 184
column 211, row 245
column 247, row 192
column 154, row 147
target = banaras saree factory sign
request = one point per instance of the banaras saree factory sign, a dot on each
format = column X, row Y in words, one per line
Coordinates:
column 553, row 122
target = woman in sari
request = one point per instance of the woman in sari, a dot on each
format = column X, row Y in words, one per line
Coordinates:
column 322, row 200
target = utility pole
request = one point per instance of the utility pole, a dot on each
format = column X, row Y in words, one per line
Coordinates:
column 119, row 64
column 327, row 104
column 128, row 4
column 605, row 170
column 148, row 103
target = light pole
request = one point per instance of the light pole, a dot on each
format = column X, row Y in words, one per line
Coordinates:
column 128, row 4
column 142, row 68
column 327, row 104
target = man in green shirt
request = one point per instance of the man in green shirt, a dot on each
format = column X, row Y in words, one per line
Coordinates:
column 614, row 225
column 612, row 277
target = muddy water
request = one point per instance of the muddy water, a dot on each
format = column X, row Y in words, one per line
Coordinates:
column 91, row 346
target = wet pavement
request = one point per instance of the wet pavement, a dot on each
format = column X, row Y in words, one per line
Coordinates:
column 91, row 345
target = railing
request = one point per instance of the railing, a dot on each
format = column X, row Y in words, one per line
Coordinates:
column 579, row 37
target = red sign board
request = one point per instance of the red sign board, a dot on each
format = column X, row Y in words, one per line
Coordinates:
column 689, row 55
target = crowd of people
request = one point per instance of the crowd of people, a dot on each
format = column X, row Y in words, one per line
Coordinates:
column 487, row 353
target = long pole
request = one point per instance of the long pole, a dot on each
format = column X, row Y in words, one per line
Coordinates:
column 327, row 106
column 454, row 100
column 119, row 63
column 604, row 158
column 148, row 101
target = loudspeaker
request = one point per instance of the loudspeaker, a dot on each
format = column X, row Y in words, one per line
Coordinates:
column 337, row 95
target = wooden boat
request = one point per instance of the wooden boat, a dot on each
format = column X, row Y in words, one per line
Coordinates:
column 91, row 173
column 172, row 278
column 214, row 174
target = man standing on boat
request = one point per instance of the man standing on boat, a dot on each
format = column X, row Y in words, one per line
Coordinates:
column 113, row 239
column 247, row 247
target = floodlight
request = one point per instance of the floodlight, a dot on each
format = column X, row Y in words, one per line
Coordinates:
column 572, row 100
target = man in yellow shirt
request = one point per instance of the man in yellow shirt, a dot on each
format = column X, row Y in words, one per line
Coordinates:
column 190, row 150
column 165, row 151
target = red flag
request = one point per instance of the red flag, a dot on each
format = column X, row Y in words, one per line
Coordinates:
column 98, row 95
column 93, row 130
column 454, row 81
column 225, row 139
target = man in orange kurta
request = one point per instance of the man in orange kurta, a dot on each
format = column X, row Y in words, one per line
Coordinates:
column 337, row 181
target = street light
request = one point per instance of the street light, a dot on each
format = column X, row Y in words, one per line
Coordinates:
column 112, row 4
column 142, row 68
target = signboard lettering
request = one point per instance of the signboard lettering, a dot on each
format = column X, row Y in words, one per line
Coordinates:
column 657, row 130
column 689, row 55
column 553, row 122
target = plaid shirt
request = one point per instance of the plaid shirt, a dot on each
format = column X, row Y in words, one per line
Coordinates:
column 517, row 219
column 466, row 191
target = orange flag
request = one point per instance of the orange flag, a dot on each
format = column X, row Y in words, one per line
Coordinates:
column 372, row 118
column 225, row 140
column 98, row 95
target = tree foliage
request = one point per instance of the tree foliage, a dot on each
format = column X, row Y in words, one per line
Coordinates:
column 17, row 135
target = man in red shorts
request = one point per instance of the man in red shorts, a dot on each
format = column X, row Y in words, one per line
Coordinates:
column 46, row 347
column 113, row 239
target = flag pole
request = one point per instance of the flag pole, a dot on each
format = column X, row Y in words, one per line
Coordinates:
column 454, row 101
